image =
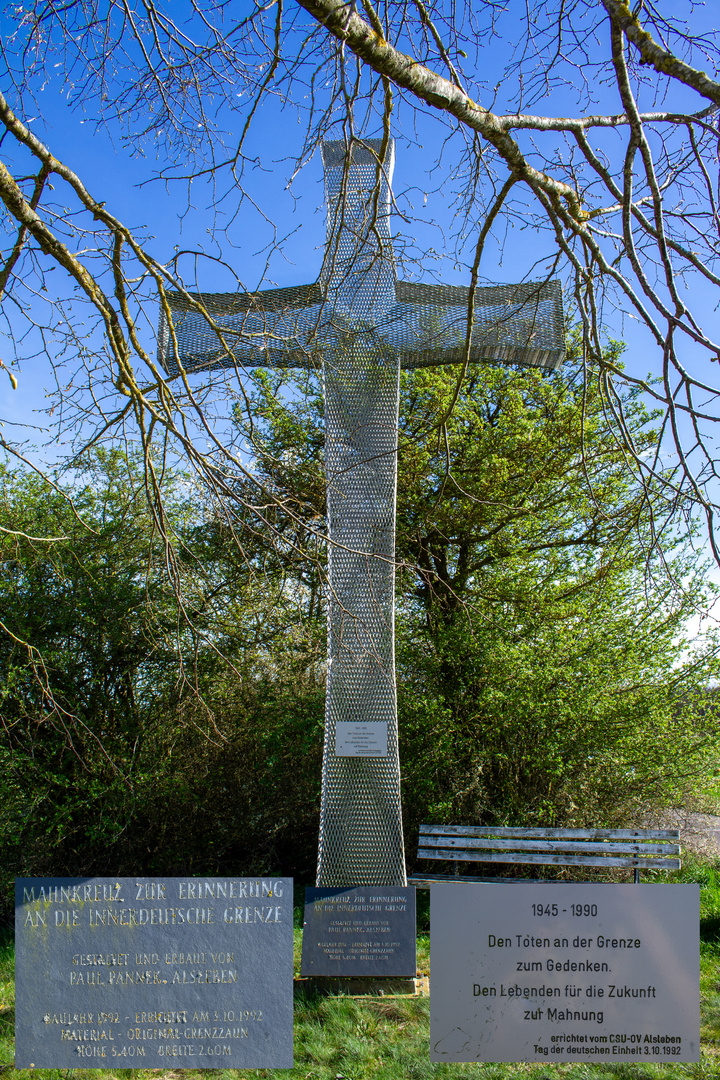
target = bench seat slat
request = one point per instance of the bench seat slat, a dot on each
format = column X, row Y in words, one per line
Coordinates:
column 550, row 834
column 548, row 859
column 601, row 848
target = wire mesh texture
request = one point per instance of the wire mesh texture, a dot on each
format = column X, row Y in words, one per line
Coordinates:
column 426, row 326
column 360, row 325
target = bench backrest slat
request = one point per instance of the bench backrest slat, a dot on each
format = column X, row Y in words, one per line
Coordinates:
column 550, row 834
column 550, row 860
column 589, row 848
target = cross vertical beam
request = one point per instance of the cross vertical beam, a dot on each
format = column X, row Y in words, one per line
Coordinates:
column 361, row 839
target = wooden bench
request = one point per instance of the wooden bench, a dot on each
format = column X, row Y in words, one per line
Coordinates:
column 636, row 849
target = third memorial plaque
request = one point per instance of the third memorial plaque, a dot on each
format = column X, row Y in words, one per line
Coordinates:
column 585, row 973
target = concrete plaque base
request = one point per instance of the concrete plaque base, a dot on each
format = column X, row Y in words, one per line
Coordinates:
column 418, row 987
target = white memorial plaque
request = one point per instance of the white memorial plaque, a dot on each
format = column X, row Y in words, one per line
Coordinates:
column 361, row 739
column 544, row 972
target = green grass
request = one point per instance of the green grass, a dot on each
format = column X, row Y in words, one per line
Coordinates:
column 387, row 1038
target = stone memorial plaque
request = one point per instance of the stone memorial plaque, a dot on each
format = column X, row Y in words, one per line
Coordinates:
column 153, row 973
column 368, row 739
column 556, row 973
column 359, row 932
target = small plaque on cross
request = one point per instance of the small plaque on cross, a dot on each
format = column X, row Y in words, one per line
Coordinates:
column 368, row 739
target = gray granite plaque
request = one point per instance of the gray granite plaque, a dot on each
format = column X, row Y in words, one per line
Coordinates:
column 359, row 932
column 153, row 973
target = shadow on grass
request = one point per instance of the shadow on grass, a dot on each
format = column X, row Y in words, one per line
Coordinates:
column 710, row 931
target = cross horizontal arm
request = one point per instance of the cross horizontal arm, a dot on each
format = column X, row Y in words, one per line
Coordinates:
column 426, row 326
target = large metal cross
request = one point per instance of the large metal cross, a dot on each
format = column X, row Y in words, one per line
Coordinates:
column 361, row 325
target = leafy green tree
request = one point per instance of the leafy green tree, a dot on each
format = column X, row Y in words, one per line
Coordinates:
column 541, row 628
column 150, row 721
column 85, row 655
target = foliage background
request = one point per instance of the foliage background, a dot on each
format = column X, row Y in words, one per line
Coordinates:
column 162, row 689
